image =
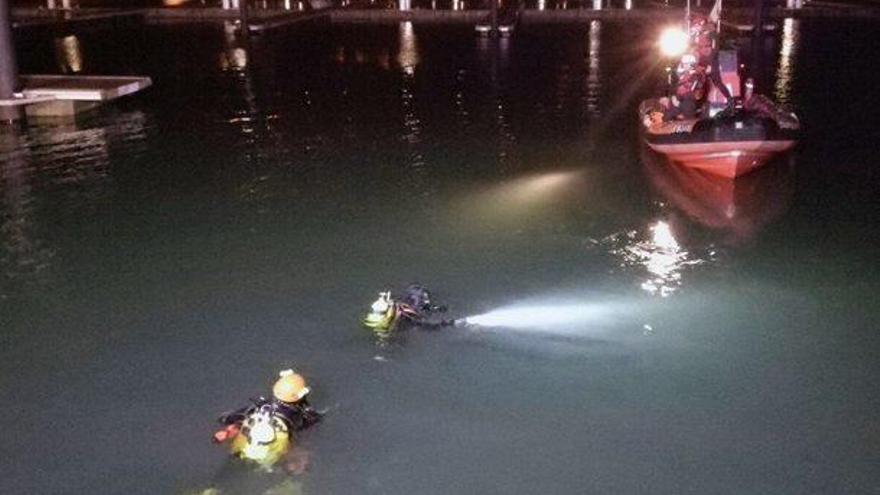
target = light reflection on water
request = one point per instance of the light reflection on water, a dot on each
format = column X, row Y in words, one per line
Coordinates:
column 408, row 50
column 234, row 56
column 408, row 60
column 655, row 251
column 785, row 70
column 594, row 76
column 494, row 53
column 24, row 255
column 532, row 201
column 68, row 160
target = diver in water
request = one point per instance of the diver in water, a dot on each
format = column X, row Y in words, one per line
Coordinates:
column 264, row 420
column 414, row 307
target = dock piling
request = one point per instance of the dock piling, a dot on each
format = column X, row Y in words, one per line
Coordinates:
column 758, row 42
column 8, row 66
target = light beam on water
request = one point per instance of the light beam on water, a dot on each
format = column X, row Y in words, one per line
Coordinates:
column 558, row 318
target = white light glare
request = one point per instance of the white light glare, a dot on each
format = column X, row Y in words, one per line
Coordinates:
column 663, row 237
column 673, row 42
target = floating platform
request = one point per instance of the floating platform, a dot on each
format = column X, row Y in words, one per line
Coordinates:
column 28, row 17
column 54, row 96
column 747, row 28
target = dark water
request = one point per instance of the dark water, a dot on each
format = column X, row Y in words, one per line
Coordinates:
column 163, row 258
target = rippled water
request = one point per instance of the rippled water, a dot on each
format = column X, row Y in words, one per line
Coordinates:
column 160, row 260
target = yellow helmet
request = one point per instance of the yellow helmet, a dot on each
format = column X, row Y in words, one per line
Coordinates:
column 290, row 387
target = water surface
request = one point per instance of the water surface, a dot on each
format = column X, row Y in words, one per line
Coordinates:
column 163, row 258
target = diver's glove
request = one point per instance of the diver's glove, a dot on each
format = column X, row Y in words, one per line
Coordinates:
column 310, row 416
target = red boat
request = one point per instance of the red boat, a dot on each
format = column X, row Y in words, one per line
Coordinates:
column 727, row 146
column 728, row 143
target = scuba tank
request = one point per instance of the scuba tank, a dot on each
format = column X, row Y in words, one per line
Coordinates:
column 263, row 437
column 383, row 313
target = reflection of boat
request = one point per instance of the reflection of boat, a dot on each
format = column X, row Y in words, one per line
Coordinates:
column 728, row 144
column 740, row 207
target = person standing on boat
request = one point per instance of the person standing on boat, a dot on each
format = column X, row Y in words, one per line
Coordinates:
column 704, row 39
column 687, row 90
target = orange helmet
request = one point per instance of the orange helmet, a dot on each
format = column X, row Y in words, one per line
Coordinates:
column 290, row 387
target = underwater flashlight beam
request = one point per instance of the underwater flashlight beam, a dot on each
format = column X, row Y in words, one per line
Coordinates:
column 539, row 316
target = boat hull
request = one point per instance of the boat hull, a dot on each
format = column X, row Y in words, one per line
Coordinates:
column 723, row 158
column 737, row 209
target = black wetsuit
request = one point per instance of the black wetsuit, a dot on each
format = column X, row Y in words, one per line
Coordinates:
column 710, row 61
column 418, row 299
column 297, row 416
column 686, row 86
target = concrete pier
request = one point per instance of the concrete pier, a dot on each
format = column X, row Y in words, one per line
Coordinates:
column 59, row 96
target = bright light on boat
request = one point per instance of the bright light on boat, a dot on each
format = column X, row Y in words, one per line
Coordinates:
column 673, row 42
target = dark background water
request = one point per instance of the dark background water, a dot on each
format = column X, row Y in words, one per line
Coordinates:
column 163, row 258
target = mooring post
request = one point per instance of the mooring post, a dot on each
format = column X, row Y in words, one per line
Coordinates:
column 8, row 66
column 759, row 19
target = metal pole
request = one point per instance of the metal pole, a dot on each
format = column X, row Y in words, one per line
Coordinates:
column 494, row 7
column 243, row 17
column 687, row 16
column 758, row 43
column 759, row 19
column 8, row 65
